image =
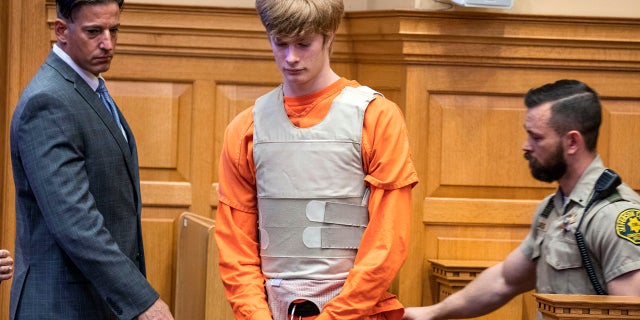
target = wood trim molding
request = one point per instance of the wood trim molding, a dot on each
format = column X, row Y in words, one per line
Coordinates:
column 468, row 211
column 393, row 36
column 187, row 31
column 191, row 31
column 571, row 306
column 473, row 38
column 166, row 194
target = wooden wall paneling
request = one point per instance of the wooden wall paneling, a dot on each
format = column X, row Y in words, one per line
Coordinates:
column 388, row 79
column 231, row 99
column 411, row 276
column 201, row 133
column 472, row 229
column 476, row 134
column 478, row 137
column 459, row 67
column 620, row 138
column 160, row 115
column 160, row 256
column 162, row 112
column 495, row 39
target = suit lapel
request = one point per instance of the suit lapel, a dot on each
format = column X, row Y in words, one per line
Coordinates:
column 128, row 148
column 132, row 159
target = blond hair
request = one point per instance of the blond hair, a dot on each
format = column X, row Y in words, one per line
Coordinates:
column 298, row 18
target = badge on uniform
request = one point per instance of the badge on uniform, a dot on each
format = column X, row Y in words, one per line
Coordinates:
column 628, row 225
column 568, row 220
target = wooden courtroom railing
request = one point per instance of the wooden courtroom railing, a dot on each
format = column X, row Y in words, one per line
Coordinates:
column 571, row 307
column 451, row 276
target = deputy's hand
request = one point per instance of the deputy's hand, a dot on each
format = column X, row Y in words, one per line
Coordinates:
column 6, row 265
column 418, row 313
column 158, row 311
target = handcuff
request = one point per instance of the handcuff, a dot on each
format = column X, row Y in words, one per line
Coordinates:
column 303, row 308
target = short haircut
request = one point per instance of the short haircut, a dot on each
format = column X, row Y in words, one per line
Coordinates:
column 574, row 106
column 297, row 18
column 66, row 8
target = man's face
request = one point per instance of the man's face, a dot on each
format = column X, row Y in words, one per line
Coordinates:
column 543, row 148
column 302, row 61
column 90, row 39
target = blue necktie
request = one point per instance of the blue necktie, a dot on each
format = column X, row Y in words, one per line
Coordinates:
column 108, row 102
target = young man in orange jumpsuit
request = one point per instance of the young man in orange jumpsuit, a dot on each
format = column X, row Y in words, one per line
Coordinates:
column 315, row 184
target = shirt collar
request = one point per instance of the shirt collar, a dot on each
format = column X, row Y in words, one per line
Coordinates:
column 584, row 187
column 88, row 77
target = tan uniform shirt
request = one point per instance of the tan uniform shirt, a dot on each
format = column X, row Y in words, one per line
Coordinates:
column 611, row 232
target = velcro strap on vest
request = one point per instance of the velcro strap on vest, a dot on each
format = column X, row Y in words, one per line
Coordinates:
column 337, row 213
column 332, row 237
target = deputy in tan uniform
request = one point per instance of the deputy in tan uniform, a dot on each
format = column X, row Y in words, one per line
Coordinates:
column 591, row 208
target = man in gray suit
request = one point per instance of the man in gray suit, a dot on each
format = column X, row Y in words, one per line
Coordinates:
column 79, row 252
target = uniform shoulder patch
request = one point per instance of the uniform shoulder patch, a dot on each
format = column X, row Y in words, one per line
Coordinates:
column 628, row 225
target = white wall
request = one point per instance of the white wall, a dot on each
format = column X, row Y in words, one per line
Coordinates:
column 590, row 8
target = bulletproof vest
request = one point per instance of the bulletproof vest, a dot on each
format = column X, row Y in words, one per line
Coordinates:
column 312, row 197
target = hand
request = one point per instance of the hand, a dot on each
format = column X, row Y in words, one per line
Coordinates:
column 158, row 311
column 6, row 265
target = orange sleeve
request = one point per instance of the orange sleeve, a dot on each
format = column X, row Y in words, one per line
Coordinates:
column 386, row 156
column 383, row 248
column 236, row 223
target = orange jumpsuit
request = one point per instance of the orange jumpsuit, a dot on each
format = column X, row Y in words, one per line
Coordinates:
column 390, row 175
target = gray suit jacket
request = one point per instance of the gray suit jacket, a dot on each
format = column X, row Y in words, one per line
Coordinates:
column 79, row 252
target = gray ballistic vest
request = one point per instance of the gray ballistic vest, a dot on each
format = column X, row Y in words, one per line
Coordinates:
column 312, row 198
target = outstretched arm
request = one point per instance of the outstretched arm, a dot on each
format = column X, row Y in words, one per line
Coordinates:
column 493, row 288
column 627, row 284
